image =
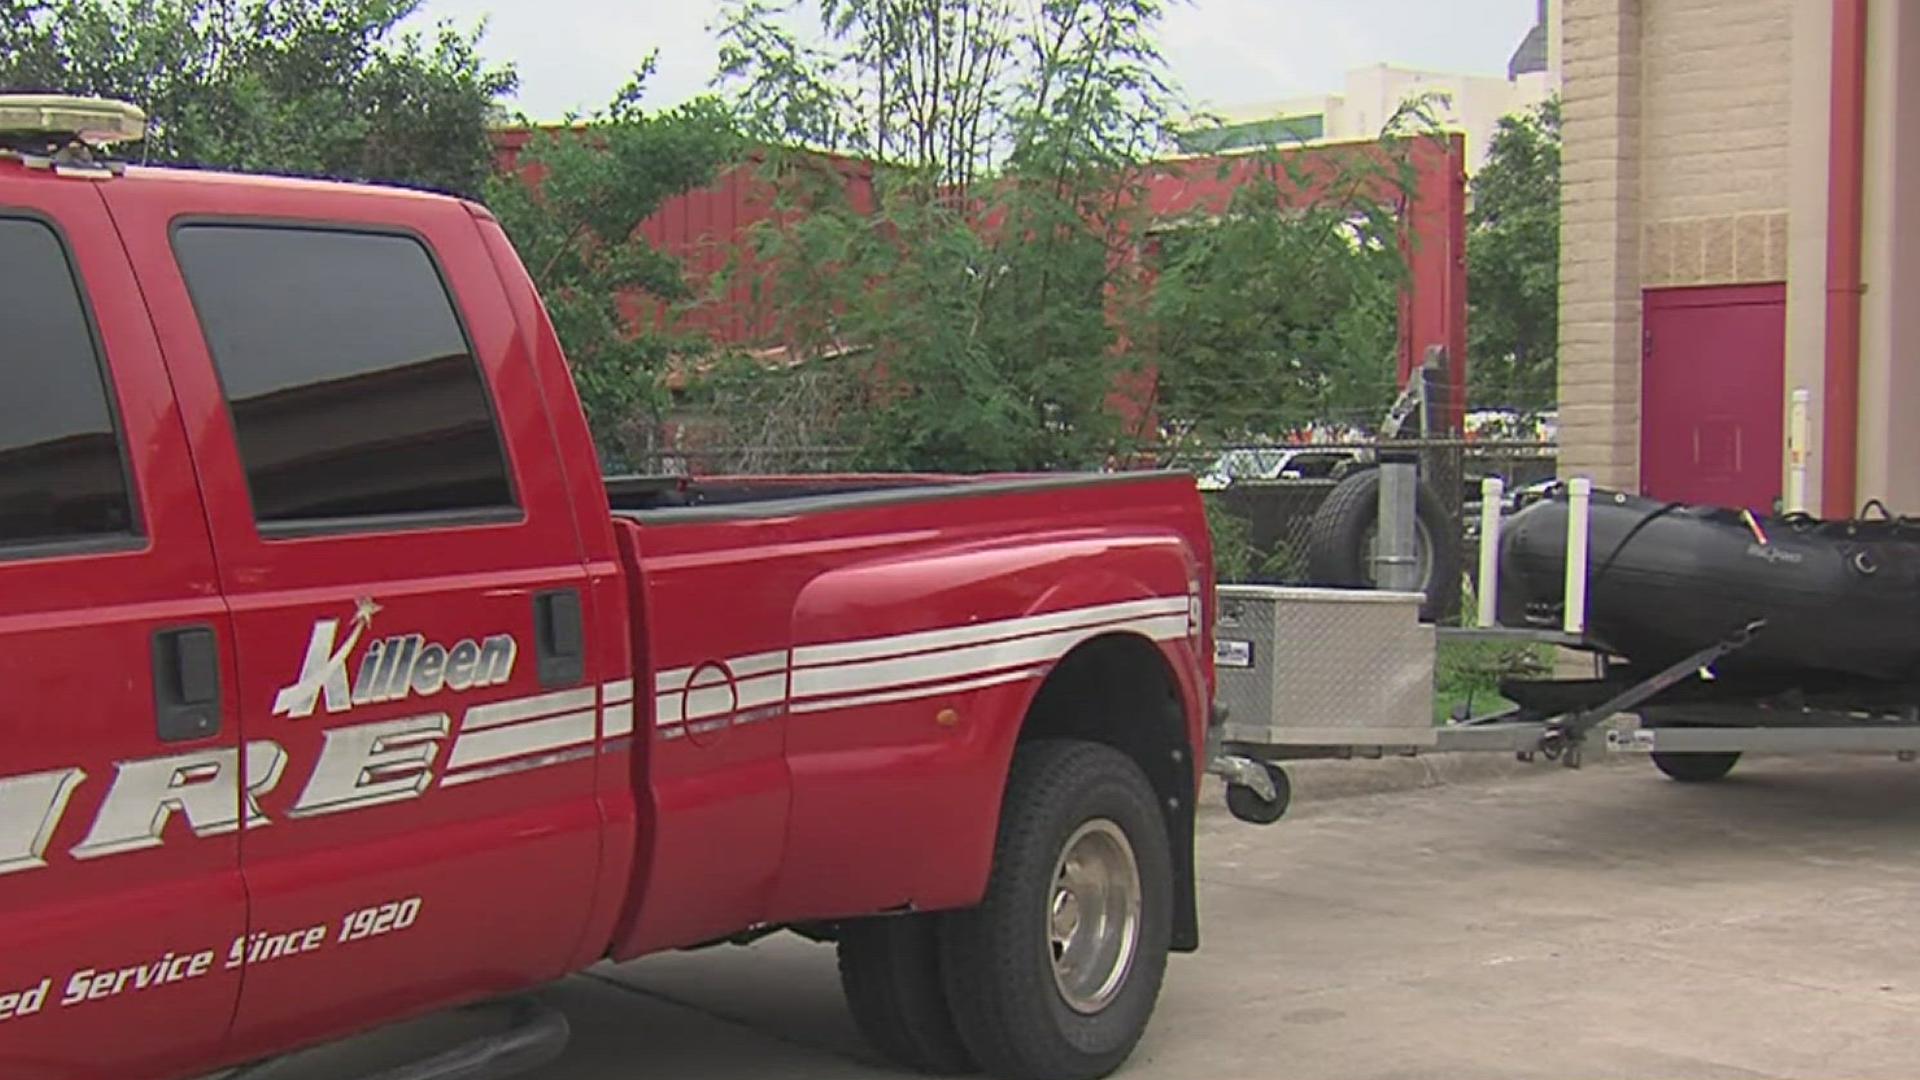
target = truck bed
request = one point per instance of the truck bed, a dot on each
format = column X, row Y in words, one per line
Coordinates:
column 657, row 500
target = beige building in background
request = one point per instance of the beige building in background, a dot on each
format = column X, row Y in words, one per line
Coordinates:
column 1370, row 96
column 1695, row 280
column 1471, row 104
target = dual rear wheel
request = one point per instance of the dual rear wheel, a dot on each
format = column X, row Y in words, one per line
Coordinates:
column 1055, row 974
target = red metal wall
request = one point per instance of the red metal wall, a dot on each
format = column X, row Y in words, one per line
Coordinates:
column 1433, row 310
column 709, row 231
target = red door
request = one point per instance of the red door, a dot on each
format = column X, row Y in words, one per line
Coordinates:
column 1712, row 393
column 120, row 796
column 397, row 546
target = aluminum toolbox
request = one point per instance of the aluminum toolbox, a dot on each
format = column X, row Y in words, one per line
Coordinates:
column 1324, row 667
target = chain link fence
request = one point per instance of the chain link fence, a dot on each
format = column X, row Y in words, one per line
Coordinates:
column 1261, row 499
column 1263, row 519
column 745, row 460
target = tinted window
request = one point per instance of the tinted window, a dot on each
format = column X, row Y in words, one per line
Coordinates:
column 61, row 473
column 354, row 392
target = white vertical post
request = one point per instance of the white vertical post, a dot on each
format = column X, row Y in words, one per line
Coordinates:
column 1579, row 507
column 1492, row 489
column 1796, row 500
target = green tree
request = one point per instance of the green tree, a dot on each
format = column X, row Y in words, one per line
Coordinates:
column 970, row 302
column 1007, row 279
column 573, row 211
column 1513, row 264
column 314, row 87
column 1283, row 311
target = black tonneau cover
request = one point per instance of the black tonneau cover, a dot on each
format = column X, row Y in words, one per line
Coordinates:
column 669, row 500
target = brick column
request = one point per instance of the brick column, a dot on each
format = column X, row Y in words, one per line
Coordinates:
column 1600, row 242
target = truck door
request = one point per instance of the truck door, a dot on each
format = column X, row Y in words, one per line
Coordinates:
column 120, row 801
column 396, row 543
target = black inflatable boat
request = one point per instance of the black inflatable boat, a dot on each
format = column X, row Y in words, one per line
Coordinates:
column 1841, row 599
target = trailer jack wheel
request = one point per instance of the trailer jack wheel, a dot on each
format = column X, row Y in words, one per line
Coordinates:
column 1251, row 805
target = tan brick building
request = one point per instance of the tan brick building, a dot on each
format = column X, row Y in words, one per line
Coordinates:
column 1703, row 189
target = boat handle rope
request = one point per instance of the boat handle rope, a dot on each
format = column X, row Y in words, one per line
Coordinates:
column 1649, row 519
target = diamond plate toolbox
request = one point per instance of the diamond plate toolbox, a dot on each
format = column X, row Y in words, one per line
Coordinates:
column 1324, row 667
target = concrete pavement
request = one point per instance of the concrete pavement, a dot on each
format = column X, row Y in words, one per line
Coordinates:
column 1601, row 923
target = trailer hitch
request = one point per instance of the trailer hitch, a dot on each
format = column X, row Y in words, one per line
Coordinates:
column 1258, row 792
column 1565, row 739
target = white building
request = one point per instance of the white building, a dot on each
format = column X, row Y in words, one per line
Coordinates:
column 1472, row 104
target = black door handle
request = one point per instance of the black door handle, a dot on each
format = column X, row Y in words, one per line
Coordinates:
column 559, row 638
column 186, row 684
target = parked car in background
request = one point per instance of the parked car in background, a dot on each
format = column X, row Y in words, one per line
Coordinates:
column 1512, row 500
column 1280, row 463
column 1511, row 425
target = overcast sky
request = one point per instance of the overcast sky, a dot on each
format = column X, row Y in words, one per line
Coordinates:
column 573, row 54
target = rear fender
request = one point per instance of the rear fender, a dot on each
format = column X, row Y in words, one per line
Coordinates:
column 896, row 800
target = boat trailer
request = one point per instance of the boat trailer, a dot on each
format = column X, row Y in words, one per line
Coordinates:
column 1316, row 673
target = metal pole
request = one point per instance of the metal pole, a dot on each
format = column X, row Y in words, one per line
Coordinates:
column 1492, row 489
column 1396, row 558
column 1579, row 500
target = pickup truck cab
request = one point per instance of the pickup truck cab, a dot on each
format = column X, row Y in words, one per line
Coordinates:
column 338, row 687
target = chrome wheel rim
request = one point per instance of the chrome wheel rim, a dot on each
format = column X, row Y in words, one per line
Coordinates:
column 1093, row 915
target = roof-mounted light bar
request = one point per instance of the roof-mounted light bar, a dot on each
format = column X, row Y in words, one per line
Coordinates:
column 93, row 121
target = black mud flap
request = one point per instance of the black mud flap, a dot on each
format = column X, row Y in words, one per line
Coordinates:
column 1186, row 901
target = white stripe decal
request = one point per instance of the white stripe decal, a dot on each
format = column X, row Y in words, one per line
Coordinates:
column 758, row 663
column 509, row 712
column 521, row 765
column 674, row 680
column 617, row 720
column 764, row 690
column 496, row 744
column 954, row 663
column 937, row 690
column 614, row 693
column 899, row 667
column 708, row 701
column 952, row 637
column 1166, row 628
column 718, row 700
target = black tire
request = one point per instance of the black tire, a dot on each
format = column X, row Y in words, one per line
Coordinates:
column 998, row 957
column 1696, row 768
column 1338, row 550
column 1247, row 805
column 890, row 970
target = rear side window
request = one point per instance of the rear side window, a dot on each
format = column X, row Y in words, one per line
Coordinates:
column 62, row 473
column 353, row 390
